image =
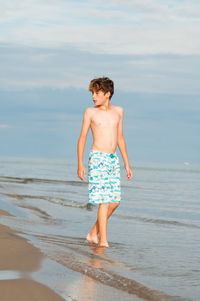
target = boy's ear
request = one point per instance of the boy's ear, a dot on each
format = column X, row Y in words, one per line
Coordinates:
column 108, row 94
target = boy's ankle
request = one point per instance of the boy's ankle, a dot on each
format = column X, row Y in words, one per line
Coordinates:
column 93, row 234
column 103, row 242
column 92, row 239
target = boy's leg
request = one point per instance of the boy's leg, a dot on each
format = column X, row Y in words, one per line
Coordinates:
column 114, row 176
column 102, row 223
column 93, row 235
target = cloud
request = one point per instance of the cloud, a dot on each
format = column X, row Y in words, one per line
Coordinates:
column 30, row 67
column 3, row 126
column 145, row 46
column 171, row 9
column 114, row 27
column 114, row 39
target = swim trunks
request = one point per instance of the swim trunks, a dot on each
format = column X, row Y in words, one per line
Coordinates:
column 103, row 177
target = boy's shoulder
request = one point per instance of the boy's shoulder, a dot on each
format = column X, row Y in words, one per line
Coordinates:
column 118, row 108
column 88, row 113
column 91, row 110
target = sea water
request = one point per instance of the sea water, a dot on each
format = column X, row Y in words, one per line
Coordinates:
column 153, row 235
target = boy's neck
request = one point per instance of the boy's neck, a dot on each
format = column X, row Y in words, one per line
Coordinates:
column 105, row 107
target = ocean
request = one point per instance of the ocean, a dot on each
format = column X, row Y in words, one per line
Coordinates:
column 154, row 235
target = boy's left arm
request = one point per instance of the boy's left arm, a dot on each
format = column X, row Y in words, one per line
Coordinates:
column 122, row 145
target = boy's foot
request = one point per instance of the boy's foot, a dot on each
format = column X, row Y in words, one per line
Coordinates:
column 105, row 245
column 92, row 239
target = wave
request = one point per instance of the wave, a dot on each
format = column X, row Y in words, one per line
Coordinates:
column 36, row 180
column 59, row 201
column 157, row 221
column 88, row 206
column 184, row 169
column 74, row 254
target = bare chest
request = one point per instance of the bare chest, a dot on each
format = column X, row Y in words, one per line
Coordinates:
column 105, row 119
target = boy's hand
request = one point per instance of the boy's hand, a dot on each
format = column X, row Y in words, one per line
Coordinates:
column 81, row 172
column 129, row 172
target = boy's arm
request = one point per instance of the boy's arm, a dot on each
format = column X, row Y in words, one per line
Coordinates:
column 84, row 131
column 122, row 145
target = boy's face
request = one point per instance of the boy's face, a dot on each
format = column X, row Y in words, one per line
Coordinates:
column 99, row 97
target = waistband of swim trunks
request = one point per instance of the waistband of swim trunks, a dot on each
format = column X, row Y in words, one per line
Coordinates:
column 92, row 151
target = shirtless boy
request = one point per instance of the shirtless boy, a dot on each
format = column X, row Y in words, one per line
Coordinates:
column 106, row 123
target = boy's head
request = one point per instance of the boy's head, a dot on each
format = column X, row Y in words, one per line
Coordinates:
column 103, row 84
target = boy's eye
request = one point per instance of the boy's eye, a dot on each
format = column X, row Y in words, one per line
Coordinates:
column 95, row 92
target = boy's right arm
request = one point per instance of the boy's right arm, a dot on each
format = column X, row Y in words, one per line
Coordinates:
column 81, row 142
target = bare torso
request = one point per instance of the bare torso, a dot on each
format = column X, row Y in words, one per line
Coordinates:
column 104, row 127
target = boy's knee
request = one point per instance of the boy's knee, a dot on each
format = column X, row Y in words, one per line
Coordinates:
column 116, row 204
column 104, row 206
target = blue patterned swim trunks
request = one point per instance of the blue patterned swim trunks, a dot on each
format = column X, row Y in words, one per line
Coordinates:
column 103, row 177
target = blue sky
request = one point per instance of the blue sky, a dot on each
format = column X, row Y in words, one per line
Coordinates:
column 50, row 50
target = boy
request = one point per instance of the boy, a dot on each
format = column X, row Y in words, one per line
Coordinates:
column 105, row 121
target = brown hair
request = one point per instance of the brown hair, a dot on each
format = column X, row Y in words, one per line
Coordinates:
column 103, row 83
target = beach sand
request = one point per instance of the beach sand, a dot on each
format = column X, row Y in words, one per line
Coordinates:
column 19, row 259
column 17, row 255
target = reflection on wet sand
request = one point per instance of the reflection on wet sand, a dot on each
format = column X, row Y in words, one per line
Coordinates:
column 90, row 289
column 98, row 263
column 89, row 285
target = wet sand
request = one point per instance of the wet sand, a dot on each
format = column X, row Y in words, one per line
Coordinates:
column 17, row 255
column 19, row 259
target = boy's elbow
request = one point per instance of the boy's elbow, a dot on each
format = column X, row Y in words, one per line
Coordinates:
column 82, row 138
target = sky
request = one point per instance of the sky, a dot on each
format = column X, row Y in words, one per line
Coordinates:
column 50, row 50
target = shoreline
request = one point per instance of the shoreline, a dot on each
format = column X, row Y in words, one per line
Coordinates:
column 19, row 257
